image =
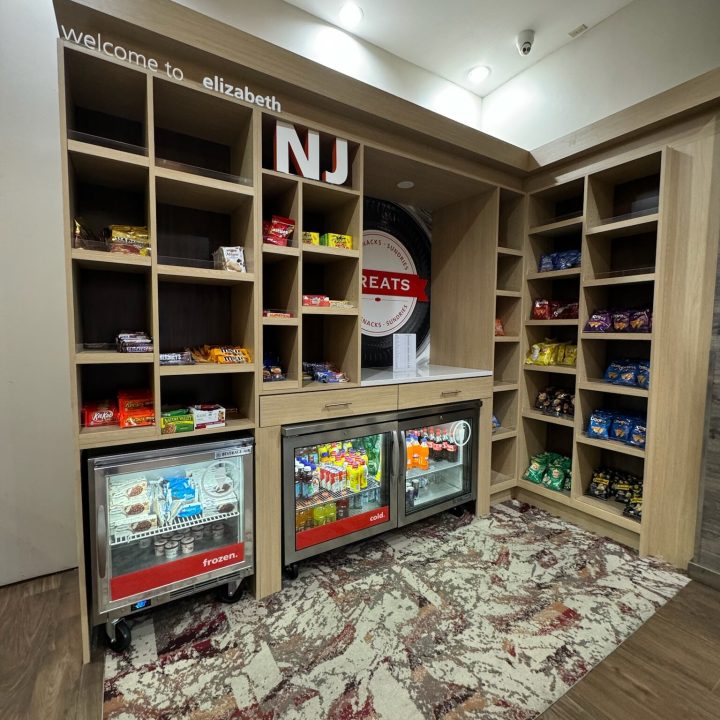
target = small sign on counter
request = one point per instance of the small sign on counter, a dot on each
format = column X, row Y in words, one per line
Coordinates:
column 404, row 352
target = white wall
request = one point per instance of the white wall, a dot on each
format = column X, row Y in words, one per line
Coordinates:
column 295, row 30
column 37, row 517
column 645, row 48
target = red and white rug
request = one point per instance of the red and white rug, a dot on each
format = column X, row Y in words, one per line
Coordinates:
column 448, row 619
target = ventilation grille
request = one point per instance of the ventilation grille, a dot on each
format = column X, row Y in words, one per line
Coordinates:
column 579, row 30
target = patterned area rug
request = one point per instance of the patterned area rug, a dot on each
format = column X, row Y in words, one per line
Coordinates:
column 452, row 619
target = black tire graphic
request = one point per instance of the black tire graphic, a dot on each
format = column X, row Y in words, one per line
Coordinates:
column 398, row 222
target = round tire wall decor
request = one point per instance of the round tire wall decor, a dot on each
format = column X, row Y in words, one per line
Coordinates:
column 395, row 279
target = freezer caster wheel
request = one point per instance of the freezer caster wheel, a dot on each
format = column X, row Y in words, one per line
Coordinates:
column 457, row 511
column 230, row 593
column 117, row 636
column 292, row 571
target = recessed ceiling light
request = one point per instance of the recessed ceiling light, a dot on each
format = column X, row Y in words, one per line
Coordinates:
column 478, row 74
column 351, row 15
column 406, row 184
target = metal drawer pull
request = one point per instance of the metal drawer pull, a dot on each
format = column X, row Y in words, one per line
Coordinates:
column 448, row 393
column 329, row 406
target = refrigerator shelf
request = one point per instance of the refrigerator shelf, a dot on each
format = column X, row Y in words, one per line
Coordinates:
column 436, row 467
column 441, row 490
column 325, row 496
column 177, row 524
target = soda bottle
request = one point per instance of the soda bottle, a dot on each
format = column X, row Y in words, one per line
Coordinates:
column 330, row 512
column 342, row 508
column 362, row 474
column 423, row 455
column 452, row 453
column 444, row 445
column 409, row 449
column 318, row 515
column 352, row 483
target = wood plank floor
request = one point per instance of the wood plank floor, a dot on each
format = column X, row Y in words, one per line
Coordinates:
column 669, row 669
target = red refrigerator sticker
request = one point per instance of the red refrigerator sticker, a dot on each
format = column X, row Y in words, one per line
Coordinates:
column 339, row 528
column 167, row 573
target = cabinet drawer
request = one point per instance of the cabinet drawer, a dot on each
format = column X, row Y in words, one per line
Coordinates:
column 440, row 392
column 326, row 405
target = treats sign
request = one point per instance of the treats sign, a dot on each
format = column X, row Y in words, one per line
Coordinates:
column 305, row 157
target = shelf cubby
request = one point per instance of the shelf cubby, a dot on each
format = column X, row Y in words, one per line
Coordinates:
column 327, row 209
column 588, row 401
column 537, row 382
column 281, row 196
column 234, row 391
column 199, row 133
column 335, row 276
column 558, row 206
column 507, row 362
column 632, row 346
column 194, row 220
column 511, row 224
column 505, row 408
column 625, row 191
column 106, row 103
column 632, row 296
column 509, row 312
column 540, row 245
column 280, row 287
column 193, row 314
column 110, row 302
column 503, row 460
column 281, row 345
column 333, row 339
column 613, row 258
column 509, row 273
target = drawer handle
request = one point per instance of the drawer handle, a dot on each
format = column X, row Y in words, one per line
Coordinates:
column 449, row 393
column 330, row 406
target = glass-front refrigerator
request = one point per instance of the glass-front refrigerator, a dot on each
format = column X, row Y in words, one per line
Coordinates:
column 166, row 523
column 439, row 460
column 339, row 484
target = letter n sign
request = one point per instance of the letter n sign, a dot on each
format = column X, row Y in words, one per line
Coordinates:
column 305, row 157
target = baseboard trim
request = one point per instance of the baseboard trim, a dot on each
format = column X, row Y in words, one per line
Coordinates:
column 704, row 575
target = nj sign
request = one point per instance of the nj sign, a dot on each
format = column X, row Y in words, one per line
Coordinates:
column 305, row 156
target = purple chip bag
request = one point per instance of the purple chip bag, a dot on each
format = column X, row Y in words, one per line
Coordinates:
column 600, row 321
column 640, row 321
column 621, row 320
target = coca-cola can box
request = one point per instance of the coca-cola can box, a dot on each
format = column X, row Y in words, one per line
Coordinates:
column 100, row 413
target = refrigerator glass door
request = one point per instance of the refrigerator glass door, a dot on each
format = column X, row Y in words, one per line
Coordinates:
column 168, row 518
column 438, row 461
column 337, row 484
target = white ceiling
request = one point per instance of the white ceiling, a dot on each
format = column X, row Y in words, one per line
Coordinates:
column 449, row 37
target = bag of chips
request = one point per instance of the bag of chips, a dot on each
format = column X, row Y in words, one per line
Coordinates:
column 643, row 374
column 566, row 259
column 546, row 263
column 628, row 373
column 638, row 433
column 569, row 355
column 640, row 321
column 540, row 310
column 495, row 423
column 554, row 477
column 600, row 484
column 499, row 329
column 634, row 507
column 545, row 353
column 600, row 321
column 536, row 470
column 599, row 425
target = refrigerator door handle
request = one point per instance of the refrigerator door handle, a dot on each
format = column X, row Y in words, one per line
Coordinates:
column 396, row 455
column 101, row 541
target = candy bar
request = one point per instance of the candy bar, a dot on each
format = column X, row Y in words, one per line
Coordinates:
column 176, row 358
column 316, row 300
column 336, row 241
column 311, row 238
column 205, row 416
column 99, row 414
column 129, row 400
column 176, row 421
column 137, row 417
column 229, row 355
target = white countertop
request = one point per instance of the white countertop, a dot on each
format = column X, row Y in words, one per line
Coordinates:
column 424, row 373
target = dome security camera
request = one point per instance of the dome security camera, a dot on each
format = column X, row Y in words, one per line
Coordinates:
column 524, row 42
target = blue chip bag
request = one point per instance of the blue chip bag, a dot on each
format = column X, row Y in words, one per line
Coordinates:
column 638, row 433
column 599, row 425
column 627, row 375
column 566, row 260
column 643, row 374
column 546, row 263
column 621, row 428
column 613, row 372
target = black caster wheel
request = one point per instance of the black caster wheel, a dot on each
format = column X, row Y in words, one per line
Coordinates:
column 224, row 595
column 122, row 639
column 457, row 511
column 292, row 571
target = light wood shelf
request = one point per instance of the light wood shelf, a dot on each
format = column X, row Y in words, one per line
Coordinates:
column 280, row 321
column 222, row 194
column 606, row 387
column 616, row 336
column 277, row 386
column 535, row 415
column 555, row 274
column 181, row 273
column 607, row 510
column 207, row 369
column 611, row 445
column 509, row 293
column 514, row 252
column 500, row 483
column 622, row 280
column 330, row 311
column 507, row 338
column 558, row 228
column 559, row 369
column 101, row 260
column 503, row 433
column 231, row 425
column 289, row 251
column 114, row 435
column 107, row 153
column 622, row 228
column 111, row 357
column 321, row 252
column 503, row 386
column 558, row 496
column 549, row 323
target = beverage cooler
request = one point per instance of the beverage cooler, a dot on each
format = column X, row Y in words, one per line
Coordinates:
column 348, row 479
column 167, row 523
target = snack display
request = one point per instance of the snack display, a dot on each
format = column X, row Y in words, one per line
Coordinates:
column 552, row 470
column 499, row 329
column 323, row 372
column 315, row 301
column 335, row 240
column 133, row 342
column 278, row 230
column 130, row 239
column 620, row 321
column 631, row 373
column 552, row 352
column 176, row 420
column 556, row 402
column 626, row 488
column 560, row 260
column 554, row 310
column 223, row 354
column 229, row 258
column 272, row 370
column 311, row 238
column 621, row 427
column 207, row 415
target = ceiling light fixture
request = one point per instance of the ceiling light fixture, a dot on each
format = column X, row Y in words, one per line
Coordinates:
column 478, row 74
column 351, row 15
column 406, row 184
